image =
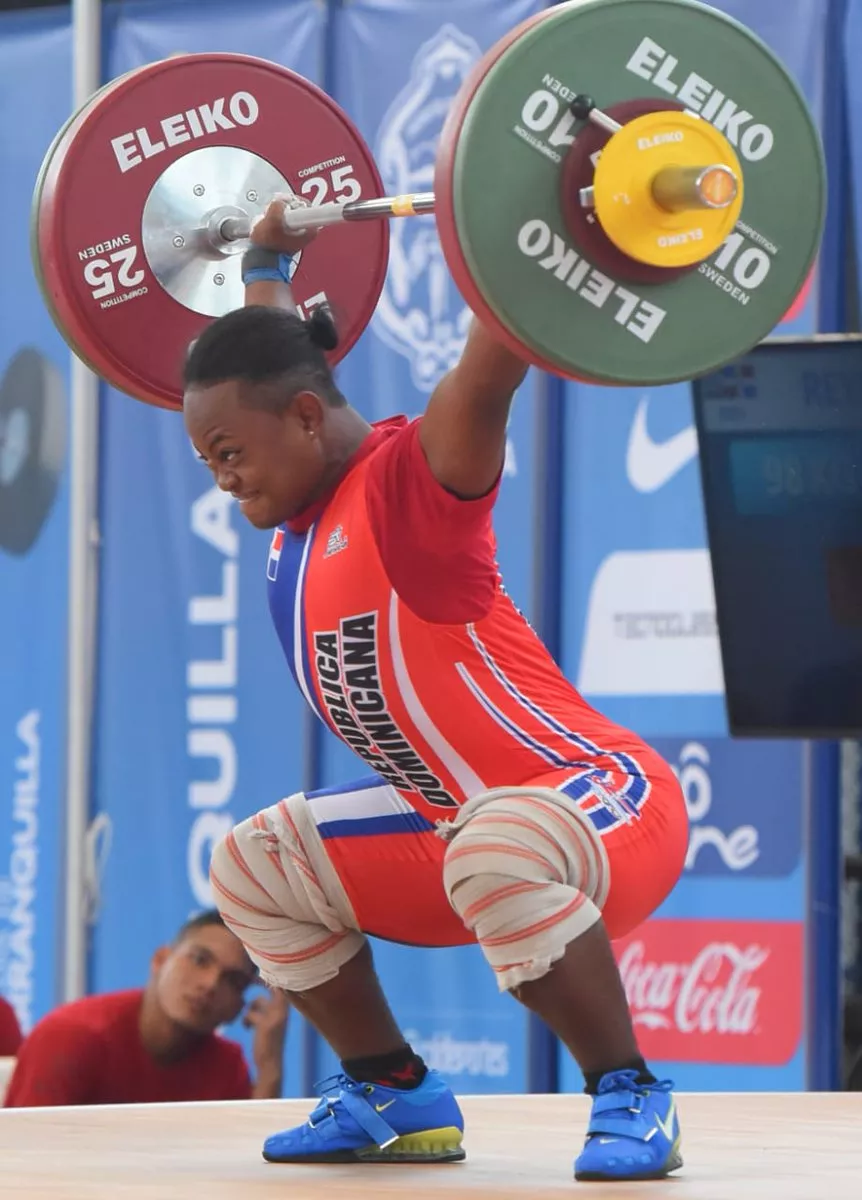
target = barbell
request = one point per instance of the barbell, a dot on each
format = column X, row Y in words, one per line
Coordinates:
column 628, row 193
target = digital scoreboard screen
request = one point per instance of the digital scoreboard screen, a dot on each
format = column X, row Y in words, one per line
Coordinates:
column 780, row 435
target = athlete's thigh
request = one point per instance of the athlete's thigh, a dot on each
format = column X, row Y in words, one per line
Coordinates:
column 390, row 862
column 643, row 824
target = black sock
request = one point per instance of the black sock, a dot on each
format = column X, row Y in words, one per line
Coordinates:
column 400, row 1069
column 644, row 1076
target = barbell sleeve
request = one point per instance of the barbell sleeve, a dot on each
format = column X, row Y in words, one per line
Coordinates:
column 683, row 189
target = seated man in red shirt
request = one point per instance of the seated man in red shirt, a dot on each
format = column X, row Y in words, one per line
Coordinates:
column 10, row 1030
column 159, row 1044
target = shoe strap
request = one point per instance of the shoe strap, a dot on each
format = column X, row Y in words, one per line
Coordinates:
column 365, row 1116
column 613, row 1126
column 623, row 1099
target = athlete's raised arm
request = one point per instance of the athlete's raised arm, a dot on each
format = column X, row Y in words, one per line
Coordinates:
column 266, row 264
column 463, row 432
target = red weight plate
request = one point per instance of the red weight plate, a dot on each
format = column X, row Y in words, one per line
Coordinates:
column 582, row 223
column 158, row 140
column 443, row 203
column 36, row 207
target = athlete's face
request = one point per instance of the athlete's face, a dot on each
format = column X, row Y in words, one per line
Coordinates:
column 273, row 462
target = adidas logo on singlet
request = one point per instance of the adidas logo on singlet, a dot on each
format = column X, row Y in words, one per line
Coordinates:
column 335, row 542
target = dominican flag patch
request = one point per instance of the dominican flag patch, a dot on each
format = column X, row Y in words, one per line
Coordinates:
column 274, row 554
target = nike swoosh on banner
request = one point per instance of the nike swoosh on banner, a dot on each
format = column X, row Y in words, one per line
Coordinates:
column 649, row 464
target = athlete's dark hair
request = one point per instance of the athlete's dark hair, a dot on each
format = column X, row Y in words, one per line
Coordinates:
column 268, row 347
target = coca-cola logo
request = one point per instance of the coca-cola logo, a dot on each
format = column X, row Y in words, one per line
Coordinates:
column 715, row 991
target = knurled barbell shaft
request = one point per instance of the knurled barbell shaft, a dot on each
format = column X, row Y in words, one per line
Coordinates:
column 235, row 229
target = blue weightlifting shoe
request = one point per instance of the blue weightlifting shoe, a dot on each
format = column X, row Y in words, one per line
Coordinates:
column 366, row 1122
column 633, row 1131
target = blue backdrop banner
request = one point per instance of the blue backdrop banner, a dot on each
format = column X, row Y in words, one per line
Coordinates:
column 198, row 723
column 35, row 100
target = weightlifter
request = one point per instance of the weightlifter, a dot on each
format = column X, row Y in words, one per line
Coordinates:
column 499, row 807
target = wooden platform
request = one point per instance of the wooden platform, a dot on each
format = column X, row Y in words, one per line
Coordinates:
column 748, row 1147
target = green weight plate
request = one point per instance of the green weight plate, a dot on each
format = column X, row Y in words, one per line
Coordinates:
column 523, row 260
column 445, row 218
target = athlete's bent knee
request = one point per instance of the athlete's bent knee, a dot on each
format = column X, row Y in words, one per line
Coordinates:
column 527, row 872
column 277, row 891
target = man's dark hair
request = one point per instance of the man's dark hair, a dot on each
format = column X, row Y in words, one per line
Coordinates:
column 201, row 920
column 269, row 347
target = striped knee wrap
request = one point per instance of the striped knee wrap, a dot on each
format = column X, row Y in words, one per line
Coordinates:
column 527, row 872
column 276, row 889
